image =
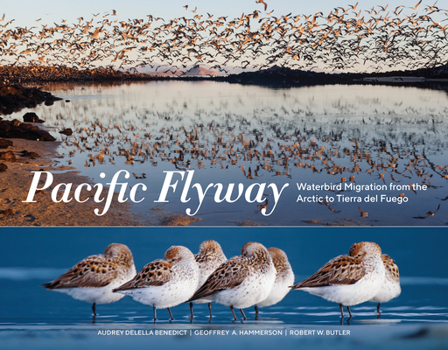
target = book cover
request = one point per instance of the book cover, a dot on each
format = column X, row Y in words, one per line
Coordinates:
column 305, row 141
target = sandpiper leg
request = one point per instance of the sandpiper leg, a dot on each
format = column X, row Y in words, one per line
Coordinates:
column 210, row 310
column 342, row 310
column 171, row 315
column 191, row 311
column 256, row 312
column 233, row 312
column 94, row 310
column 155, row 313
column 349, row 313
column 242, row 313
column 378, row 308
column 94, row 313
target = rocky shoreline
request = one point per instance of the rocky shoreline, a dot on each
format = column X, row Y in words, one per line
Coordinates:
column 27, row 130
column 14, row 97
column 15, row 129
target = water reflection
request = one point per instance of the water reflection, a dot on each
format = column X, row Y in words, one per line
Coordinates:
column 24, row 268
column 352, row 138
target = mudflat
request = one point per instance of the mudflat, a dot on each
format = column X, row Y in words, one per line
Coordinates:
column 15, row 184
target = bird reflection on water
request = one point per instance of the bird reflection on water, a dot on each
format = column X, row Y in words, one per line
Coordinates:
column 283, row 136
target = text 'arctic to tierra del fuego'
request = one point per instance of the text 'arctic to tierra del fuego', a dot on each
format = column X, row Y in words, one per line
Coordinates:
column 181, row 182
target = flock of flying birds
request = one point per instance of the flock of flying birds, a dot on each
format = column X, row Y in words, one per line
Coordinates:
column 259, row 277
column 345, row 38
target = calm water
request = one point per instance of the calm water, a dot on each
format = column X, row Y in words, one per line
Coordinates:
column 344, row 136
column 31, row 256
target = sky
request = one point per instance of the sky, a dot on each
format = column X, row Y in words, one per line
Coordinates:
column 26, row 12
column 31, row 13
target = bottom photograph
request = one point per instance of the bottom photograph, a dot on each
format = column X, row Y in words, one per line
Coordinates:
column 237, row 287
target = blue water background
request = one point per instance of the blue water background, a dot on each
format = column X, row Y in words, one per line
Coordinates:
column 31, row 315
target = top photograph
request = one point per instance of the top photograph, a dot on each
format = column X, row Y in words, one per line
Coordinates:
column 237, row 113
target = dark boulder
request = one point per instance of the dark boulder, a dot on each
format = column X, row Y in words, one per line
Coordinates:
column 39, row 135
column 16, row 129
column 30, row 117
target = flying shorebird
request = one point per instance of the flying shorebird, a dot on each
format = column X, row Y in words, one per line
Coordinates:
column 262, row 2
column 428, row 214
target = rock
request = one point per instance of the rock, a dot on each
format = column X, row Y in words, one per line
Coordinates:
column 32, row 155
column 5, row 127
column 24, row 126
column 5, row 143
column 30, row 117
column 67, row 132
column 3, row 167
column 16, row 129
column 39, row 135
column 8, row 156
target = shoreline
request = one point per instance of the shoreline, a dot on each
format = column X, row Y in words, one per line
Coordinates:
column 275, row 76
column 16, row 182
column 157, row 216
column 17, row 178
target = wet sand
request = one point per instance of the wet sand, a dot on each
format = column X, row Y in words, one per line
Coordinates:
column 15, row 185
column 16, row 182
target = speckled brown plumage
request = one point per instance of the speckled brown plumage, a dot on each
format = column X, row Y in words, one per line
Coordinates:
column 390, row 266
column 243, row 280
column 155, row 273
column 343, row 269
column 97, row 270
column 281, row 263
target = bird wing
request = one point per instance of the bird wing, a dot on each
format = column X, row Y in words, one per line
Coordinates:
column 229, row 275
column 155, row 273
column 430, row 213
column 94, row 271
column 390, row 266
column 343, row 269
